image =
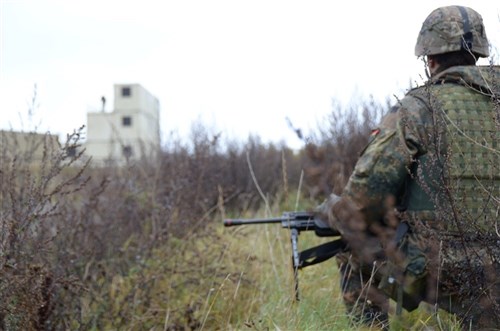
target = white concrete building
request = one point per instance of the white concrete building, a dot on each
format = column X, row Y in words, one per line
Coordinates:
column 130, row 131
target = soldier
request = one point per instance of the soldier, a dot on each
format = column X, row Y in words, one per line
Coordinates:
column 420, row 211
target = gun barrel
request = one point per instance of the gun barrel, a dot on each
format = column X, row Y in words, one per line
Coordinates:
column 243, row 221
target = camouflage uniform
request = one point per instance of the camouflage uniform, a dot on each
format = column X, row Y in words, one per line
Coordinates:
column 420, row 210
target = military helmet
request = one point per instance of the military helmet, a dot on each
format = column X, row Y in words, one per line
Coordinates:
column 450, row 29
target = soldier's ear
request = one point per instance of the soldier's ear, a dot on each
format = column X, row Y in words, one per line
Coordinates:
column 433, row 65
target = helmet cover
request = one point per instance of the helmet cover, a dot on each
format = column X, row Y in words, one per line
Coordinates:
column 450, row 29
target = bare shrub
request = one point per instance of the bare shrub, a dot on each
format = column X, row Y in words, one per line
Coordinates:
column 36, row 178
column 109, row 224
column 81, row 247
column 330, row 155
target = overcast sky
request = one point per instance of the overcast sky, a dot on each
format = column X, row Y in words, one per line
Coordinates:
column 239, row 66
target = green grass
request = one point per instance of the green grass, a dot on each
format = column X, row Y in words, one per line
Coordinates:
column 235, row 279
column 320, row 306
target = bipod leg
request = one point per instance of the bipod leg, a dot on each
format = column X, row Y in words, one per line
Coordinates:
column 295, row 262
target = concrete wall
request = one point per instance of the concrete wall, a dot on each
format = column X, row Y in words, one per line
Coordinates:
column 28, row 145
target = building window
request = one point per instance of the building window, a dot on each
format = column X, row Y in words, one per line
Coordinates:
column 126, row 91
column 127, row 121
column 127, row 151
column 71, row 151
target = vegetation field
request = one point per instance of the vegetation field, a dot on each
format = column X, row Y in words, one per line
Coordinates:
column 142, row 246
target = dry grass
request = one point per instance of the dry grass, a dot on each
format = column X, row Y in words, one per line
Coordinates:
column 142, row 247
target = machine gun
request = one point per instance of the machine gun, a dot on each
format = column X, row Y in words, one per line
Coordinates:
column 297, row 222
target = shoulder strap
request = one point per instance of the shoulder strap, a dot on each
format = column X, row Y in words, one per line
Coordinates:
column 320, row 253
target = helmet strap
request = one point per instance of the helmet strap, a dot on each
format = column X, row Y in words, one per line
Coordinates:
column 467, row 36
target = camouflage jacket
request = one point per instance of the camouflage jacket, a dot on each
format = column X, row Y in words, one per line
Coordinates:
column 435, row 155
